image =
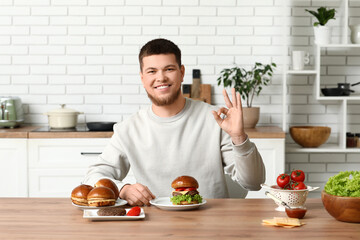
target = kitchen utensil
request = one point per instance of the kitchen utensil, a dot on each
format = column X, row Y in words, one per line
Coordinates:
column 355, row 33
column 276, row 199
column 11, row 111
column 343, row 89
column 293, row 198
column 310, row 136
column 299, row 59
column 63, row 117
column 345, row 209
column 100, row 126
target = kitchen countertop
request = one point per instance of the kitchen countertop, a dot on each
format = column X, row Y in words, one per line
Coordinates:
column 42, row 132
column 57, row 218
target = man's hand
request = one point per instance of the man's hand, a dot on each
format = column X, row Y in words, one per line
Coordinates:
column 136, row 194
column 233, row 122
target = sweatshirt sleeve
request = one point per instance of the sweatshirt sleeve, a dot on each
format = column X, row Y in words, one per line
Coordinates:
column 112, row 163
column 243, row 163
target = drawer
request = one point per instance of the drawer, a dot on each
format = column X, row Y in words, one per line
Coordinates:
column 63, row 153
column 59, row 182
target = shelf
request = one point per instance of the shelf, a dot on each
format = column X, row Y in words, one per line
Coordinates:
column 326, row 148
column 301, row 72
column 340, row 46
column 338, row 98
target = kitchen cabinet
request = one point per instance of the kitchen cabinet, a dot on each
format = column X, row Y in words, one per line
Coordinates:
column 327, row 73
column 13, row 170
column 272, row 151
column 57, row 165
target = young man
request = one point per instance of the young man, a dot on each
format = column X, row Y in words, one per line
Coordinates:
column 177, row 136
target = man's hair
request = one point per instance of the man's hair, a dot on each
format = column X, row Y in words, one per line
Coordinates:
column 159, row 46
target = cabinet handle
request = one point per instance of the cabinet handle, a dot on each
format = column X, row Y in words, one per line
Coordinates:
column 90, row 153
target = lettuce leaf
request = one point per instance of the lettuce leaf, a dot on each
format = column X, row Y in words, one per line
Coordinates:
column 177, row 199
column 345, row 184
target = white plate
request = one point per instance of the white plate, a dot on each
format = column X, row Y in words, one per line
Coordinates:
column 164, row 203
column 119, row 202
column 92, row 215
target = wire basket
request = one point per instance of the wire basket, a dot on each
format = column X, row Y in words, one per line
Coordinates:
column 293, row 198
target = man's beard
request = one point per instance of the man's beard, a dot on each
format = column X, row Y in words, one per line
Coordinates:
column 165, row 101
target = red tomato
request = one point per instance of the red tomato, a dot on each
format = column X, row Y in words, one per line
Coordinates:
column 297, row 176
column 135, row 211
column 180, row 189
column 298, row 186
column 283, row 180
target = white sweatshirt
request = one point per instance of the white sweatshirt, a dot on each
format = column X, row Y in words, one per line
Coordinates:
column 189, row 143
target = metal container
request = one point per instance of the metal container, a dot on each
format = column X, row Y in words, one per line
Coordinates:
column 63, row 117
column 11, row 111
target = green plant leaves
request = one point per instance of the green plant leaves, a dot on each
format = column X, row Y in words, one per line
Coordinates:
column 247, row 83
column 323, row 15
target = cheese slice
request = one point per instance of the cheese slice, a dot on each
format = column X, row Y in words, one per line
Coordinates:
column 182, row 192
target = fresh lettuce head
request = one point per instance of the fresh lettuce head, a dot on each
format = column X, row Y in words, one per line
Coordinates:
column 177, row 199
column 344, row 184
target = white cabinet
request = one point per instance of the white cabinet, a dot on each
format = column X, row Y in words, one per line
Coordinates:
column 13, row 170
column 57, row 165
column 272, row 151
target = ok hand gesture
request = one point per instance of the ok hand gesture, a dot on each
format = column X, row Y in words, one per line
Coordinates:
column 233, row 122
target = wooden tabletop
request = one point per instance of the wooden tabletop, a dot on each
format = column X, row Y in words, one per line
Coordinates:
column 28, row 132
column 57, row 218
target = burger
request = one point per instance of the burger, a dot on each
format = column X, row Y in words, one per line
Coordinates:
column 101, row 196
column 185, row 192
column 80, row 193
column 105, row 182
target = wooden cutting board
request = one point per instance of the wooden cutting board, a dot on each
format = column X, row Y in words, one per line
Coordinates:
column 205, row 93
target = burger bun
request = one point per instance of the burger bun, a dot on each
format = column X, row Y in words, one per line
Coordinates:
column 101, row 196
column 105, row 182
column 80, row 193
column 185, row 181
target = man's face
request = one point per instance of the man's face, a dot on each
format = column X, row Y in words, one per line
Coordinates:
column 162, row 78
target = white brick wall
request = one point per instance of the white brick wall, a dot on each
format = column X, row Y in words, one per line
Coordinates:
column 84, row 53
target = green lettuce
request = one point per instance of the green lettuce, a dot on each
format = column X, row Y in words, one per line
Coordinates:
column 345, row 184
column 177, row 199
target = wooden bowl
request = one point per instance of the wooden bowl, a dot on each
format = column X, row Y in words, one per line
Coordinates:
column 310, row 136
column 345, row 209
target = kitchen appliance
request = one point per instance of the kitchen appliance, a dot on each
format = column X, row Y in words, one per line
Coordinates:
column 343, row 89
column 100, row 126
column 11, row 111
column 63, row 117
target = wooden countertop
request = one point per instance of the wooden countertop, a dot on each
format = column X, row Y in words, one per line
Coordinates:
column 28, row 132
column 57, row 218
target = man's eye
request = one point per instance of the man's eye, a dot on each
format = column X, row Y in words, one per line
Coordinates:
column 151, row 72
column 169, row 69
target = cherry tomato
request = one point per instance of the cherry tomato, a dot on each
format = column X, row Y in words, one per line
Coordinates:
column 297, row 176
column 283, row 180
column 298, row 186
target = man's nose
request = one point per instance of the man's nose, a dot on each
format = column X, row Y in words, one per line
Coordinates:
column 161, row 76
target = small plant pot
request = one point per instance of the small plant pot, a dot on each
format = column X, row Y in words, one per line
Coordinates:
column 355, row 34
column 251, row 116
column 322, row 34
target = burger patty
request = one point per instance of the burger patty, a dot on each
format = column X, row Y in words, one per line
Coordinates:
column 112, row 211
column 191, row 193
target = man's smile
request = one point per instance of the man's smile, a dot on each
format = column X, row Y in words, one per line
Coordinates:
column 163, row 86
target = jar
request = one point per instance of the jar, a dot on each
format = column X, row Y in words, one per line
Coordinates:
column 358, row 140
column 350, row 140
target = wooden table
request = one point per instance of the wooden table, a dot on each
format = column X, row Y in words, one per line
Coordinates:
column 56, row 218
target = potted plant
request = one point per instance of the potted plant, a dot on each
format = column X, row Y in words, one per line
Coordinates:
column 249, row 84
column 321, row 31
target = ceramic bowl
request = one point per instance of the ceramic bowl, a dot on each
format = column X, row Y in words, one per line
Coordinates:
column 310, row 136
column 345, row 209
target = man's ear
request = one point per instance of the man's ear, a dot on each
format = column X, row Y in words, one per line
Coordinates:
column 142, row 77
column 182, row 69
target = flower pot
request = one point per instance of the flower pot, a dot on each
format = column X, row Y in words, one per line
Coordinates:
column 251, row 116
column 322, row 34
column 355, row 34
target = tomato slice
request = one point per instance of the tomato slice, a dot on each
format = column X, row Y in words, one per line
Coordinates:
column 184, row 189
